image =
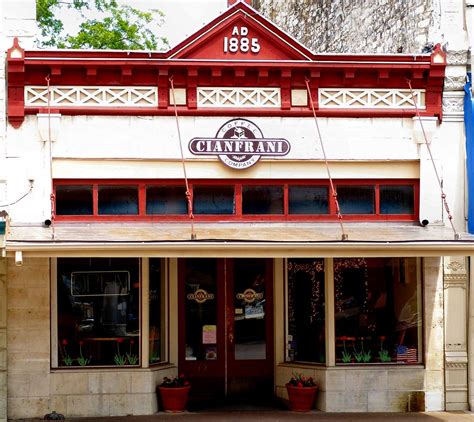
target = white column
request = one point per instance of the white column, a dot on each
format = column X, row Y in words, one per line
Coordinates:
column 455, row 336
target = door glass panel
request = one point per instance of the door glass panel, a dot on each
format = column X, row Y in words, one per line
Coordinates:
column 201, row 309
column 249, row 309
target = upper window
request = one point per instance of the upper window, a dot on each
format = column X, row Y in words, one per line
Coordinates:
column 233, row 200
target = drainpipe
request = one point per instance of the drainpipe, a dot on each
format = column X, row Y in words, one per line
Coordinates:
column 469, row 126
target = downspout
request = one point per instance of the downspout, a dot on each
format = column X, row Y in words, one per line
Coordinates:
column 469, row 127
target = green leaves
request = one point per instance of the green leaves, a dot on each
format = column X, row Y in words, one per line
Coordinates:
column 120, row 27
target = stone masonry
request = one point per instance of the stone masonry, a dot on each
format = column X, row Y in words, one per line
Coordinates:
column 356, row 26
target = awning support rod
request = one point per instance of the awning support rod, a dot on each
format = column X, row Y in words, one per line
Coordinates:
column 344, row 236
column 443, row 195
column 188, row 192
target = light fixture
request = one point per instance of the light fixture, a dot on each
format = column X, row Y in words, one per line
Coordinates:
column 18, row 258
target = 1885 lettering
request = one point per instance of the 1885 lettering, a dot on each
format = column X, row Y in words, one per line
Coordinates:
column 241, row 42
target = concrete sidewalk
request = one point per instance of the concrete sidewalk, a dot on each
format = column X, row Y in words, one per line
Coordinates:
column 281, row 415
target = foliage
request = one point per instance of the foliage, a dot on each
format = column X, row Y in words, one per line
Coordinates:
column 131, row 358
column 383, row 353
column 362, row 355
column 299, row 380
column 120, row 27
column 81, row 360
column 178, row 381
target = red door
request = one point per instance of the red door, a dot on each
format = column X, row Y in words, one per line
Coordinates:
column 226, row 327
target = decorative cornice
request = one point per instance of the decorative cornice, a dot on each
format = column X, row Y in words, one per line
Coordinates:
column 457, row 58
column 454, row 83
column 453, row 106
column 456, row 365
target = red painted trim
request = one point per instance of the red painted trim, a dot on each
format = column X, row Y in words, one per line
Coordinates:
column 253, row 112
column 118, row 68
column 238, row 216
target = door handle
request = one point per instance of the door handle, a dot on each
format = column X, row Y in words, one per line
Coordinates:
column 231, row 338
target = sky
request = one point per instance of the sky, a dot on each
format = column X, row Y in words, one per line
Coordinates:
column 182, row 17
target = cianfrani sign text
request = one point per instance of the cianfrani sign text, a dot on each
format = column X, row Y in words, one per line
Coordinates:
column 239, row 143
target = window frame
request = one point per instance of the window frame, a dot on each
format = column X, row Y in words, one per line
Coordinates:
column 238, row 187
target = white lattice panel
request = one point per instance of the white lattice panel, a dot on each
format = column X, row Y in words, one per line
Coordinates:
column 92, row 96
column 371, row 98
column 239, row 97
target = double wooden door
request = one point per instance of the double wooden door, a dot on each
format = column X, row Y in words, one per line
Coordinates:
column 226, row 327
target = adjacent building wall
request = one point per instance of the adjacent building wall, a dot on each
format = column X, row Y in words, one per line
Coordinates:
column 356, row 26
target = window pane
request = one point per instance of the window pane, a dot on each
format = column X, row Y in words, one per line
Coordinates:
column 306, row 310
column 356, row 199
column 213, row 199
column 98, row 311
column 156, row 311
column 166, row 200
column 201, row 309
column 396, row 200
column 262, row 199
column 118, row 200
column 74, row 200
column 377, row 310
column 308, row 199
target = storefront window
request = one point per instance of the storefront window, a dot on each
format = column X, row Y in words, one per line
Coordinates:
column 118, row 200
column 262, row 200
column 98, row 312
column 156, row 311
column 397, row 200
column 306, row 310
column 165, row 200
column 377, row 310
column 74, row 200
column 213, row 200
column 356, row 199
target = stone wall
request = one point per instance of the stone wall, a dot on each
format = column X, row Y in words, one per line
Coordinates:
column 355, row 26
column 33, row 388
column 3, row 340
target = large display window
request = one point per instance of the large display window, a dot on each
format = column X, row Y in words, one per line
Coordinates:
column 99, row 315
column 377, row 311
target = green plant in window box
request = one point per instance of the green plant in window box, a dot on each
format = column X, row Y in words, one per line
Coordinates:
column 155, row 357
column 362, row 356
column 346, row 356
column 81, row 360
column 384, row 356
column 67, row 359
column 132, row 359
column 119, row 359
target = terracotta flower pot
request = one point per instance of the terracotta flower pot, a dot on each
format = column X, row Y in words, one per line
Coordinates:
column 174, row 399
column 301, row 398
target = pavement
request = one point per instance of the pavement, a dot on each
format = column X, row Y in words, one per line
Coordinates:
column 282, row 415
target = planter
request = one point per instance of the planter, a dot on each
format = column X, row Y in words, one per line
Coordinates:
column 301, row 398
column 174, row 399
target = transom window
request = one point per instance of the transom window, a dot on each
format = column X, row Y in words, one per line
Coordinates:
column 230, row 200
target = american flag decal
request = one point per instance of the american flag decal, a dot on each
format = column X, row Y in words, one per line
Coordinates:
column 407, row 354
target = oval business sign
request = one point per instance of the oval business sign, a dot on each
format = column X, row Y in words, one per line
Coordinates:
column 239, row 144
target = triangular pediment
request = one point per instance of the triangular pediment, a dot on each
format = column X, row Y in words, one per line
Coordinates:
column 240, row 33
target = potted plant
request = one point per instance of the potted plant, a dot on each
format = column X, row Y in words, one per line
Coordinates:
column 301, row 393
column 174, row 393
